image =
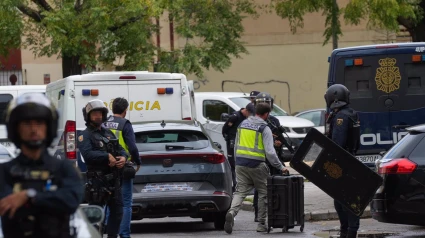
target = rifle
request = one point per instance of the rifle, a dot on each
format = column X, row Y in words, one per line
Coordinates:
column 112, row 147
column 279, row 130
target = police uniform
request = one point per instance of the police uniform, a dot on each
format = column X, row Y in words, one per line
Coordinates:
column 254, row 144
column 59, row 192
column 104, row 185
column 53, row 188
column 344, row 130
column 229, row 133
column 123, row 130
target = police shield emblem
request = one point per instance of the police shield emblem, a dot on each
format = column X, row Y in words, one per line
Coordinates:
column 339, row 121
column 337, row 172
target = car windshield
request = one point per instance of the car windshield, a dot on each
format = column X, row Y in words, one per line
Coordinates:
column 178, row 139
column 4, row 157
column 243, row 101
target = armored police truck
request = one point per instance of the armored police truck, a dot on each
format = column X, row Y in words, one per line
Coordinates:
column 152, row 97
column 387, row 86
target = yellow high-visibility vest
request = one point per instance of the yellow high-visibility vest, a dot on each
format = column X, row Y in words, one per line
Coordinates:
column 250, row 141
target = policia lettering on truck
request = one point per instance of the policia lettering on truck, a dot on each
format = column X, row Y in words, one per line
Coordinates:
column 139, row 105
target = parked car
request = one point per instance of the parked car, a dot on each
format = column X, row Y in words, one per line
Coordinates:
column 5, row 154
column 401, row 197
column 183, row 173
column 317, row 116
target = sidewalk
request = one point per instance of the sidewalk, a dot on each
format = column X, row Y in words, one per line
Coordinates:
column 317, row 204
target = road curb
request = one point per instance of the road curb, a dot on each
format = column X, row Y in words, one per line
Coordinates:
column 311, row 216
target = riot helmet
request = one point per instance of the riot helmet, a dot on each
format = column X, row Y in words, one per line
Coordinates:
column 95, row 105
column 337, row 96
column 264, row 97
column 253, row 94
column 31, row 106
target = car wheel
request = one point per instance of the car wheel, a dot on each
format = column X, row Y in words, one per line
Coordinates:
column 219, row 220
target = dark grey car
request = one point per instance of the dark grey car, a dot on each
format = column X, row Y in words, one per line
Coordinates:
column 183, row 173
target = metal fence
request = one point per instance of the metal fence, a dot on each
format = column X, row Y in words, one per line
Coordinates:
column 10, row 76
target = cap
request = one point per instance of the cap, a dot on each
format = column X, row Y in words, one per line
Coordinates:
column 253, row 94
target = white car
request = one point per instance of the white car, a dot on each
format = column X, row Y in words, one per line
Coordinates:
column 317, row 116
column 210, row 106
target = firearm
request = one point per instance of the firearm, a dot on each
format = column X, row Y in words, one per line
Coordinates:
column 278, row 131
column 112, row 147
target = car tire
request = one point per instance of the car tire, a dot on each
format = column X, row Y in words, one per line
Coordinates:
column 219, row 220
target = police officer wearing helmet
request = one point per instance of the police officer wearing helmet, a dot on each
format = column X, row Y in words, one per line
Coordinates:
column 344, row 130
column 251, row 106
column 122, row 128
column 38, row 193
column 102, row 187
column 229, row 133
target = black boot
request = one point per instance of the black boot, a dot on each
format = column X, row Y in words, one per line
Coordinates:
column 343, row 234
column 351, row 234
column 256, row 213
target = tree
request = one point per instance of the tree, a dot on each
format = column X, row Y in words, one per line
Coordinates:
column 86, row 32
column 381, row 14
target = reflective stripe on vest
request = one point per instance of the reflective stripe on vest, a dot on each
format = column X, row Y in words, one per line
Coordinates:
column 250, row 141
column 116, row 125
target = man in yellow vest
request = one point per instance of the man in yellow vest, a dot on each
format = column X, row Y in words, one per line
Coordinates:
column 253, row 144
column 123, row 130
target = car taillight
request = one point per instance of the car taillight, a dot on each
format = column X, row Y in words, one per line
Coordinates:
column 397, row 166
column 187, row 118
column 69, row 135
column 216, row 158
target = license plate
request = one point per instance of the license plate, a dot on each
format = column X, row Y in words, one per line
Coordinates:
column 368, row 158
column 164, row 187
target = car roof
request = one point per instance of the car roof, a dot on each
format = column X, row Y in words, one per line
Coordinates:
column 167, row 125
column 418, row 128
column 224, row 94
column 365, row 47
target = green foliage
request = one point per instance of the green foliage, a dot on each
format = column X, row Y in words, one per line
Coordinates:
column 94, row 31
column 387, row 14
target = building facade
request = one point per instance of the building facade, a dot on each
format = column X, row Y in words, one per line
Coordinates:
column 291, row 67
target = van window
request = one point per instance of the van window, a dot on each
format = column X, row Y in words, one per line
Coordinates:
column 212, row 109
column 4, row 101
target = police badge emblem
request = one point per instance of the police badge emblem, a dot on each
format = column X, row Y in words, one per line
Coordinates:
column 388, row 75
column 339, row 122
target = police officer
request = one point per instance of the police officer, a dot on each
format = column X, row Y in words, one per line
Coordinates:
column 229, row 134
column 273, row 123
column 38, row 193
column 122, row 129
column 251, row 106
column 254, row 144
column 104, row 182
column 344, row 130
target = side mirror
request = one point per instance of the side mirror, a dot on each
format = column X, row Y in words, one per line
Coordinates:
column 224, row 116
column 217, row 144
column 93, row 213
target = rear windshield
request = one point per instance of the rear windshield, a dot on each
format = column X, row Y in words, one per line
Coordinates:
column 158, row 140
column 405, row 146
column 243, row 101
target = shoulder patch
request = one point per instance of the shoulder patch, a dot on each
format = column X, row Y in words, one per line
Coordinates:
column 80, row 138
column 339, row 121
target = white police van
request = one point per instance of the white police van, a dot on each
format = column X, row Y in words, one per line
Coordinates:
column 7, row 93
column 152, row 97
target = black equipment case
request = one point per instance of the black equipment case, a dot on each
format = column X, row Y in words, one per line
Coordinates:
column 285, row 202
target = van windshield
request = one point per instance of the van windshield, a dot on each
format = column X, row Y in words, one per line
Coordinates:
column 243, row 101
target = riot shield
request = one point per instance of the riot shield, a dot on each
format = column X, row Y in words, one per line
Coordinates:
column 335, row 171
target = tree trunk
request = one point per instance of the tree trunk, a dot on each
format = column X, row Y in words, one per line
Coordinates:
column 418, row 32
column 70, row 66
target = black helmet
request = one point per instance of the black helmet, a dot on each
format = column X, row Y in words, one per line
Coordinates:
column 264, row 97
column 31, row 106
column 337, row 96
column 95, row 105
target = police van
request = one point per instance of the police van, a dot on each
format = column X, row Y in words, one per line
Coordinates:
column 152, row 97
column 7, row 93
column 387, row 88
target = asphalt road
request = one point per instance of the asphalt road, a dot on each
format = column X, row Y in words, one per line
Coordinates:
column 245, row 227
